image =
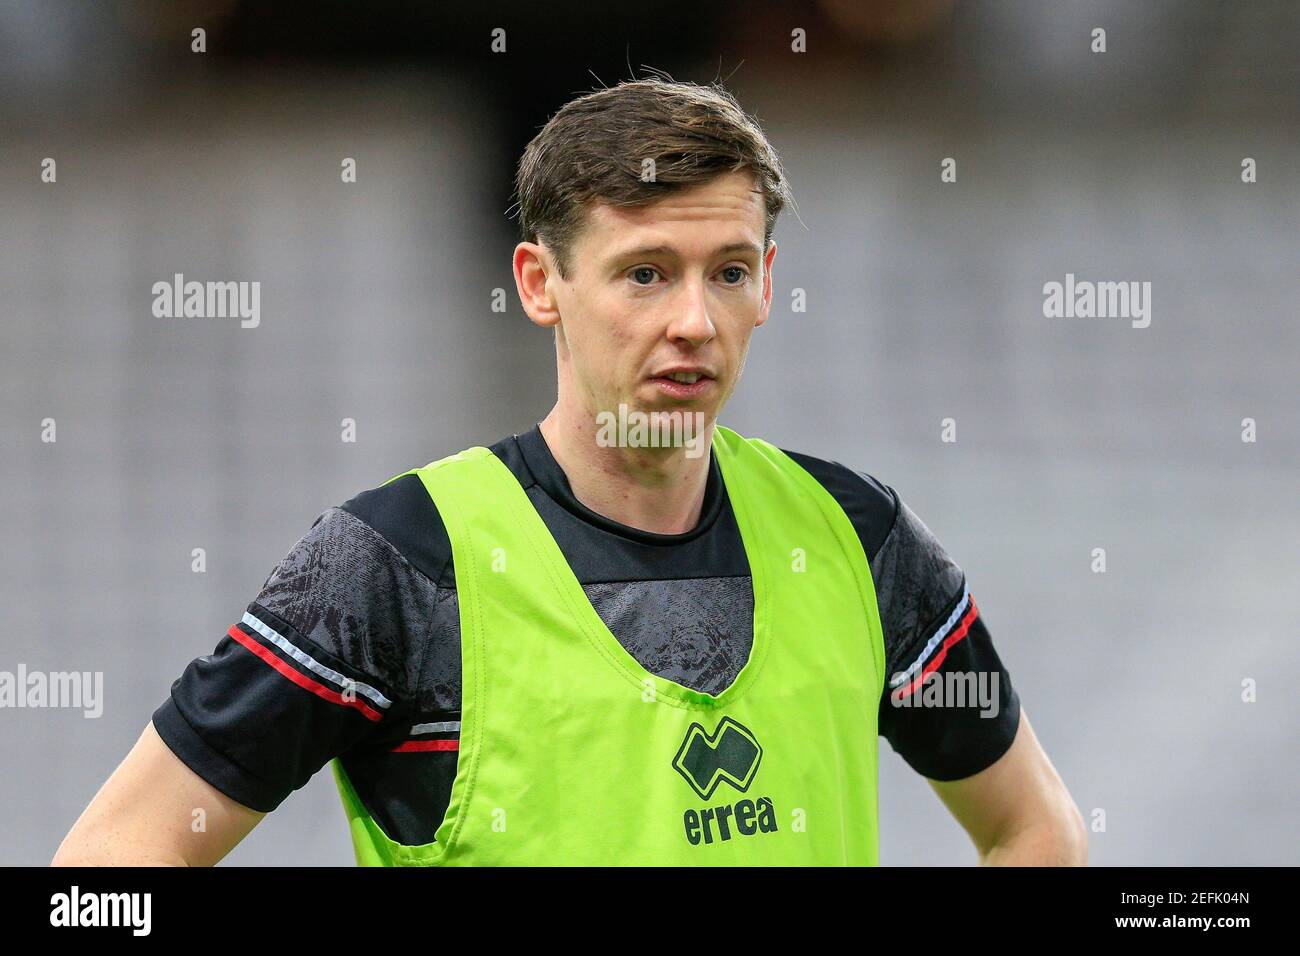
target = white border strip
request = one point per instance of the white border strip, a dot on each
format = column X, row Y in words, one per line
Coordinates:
column 936, row 640
column 309, row 662
column 438, row 727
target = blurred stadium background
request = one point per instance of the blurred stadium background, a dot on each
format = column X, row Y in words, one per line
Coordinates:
column 924, row 302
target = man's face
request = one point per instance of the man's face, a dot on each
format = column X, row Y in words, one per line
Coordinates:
column 661, row 300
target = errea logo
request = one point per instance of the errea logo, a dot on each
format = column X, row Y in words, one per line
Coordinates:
column 731, row 754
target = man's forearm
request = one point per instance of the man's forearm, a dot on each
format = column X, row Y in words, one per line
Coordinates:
column 1045, row 844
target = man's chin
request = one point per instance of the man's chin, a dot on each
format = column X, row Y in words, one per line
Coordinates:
column 651, row 421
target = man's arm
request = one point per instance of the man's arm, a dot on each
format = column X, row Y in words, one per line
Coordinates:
column 145, row 815
column 1017, row 811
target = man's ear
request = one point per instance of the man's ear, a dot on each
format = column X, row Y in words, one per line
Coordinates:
column 766, row 307
column 534, row 266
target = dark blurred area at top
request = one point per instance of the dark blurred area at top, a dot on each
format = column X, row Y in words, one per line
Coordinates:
column 973, row 58
column 554, row 50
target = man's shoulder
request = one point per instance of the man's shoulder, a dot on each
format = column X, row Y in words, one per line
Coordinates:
column 401, row 513
column 920, row 590
column 891, row 532
column 870, row 504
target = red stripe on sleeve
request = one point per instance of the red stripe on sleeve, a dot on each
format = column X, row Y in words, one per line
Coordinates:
column 299, row 678
column 412, row 746
column 957, row 634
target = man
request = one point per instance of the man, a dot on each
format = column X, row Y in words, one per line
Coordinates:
column 589, row 645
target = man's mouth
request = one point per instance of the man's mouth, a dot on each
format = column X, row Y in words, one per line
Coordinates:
column 681, row 383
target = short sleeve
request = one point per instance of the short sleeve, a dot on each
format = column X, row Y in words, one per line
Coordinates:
column 949, row 708
column 317, row 665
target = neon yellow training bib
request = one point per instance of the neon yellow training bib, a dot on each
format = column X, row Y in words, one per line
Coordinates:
column 572, row 753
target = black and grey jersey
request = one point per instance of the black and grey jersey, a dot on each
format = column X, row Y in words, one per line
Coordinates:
column 352, row 647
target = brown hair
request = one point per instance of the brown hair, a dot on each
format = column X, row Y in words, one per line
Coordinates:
column 592, row 150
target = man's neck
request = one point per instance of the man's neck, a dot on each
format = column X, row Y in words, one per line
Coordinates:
column 653, row 489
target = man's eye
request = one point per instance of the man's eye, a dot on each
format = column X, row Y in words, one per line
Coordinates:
column 644, row 271
column 739, row 275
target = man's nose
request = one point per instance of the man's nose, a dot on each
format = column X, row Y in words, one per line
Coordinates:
column 691, row 322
